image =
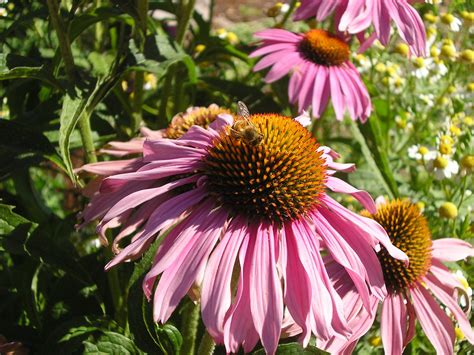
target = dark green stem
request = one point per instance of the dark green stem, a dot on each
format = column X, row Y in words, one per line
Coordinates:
column 207, row 345
column 190, row 322
column 99, row 29
column 184, row 19
column 115, row 290
column 63, row 39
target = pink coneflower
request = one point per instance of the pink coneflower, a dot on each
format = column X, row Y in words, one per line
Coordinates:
column 358, row 15
column 227, row 202
column 320, row 68
column 416, row 291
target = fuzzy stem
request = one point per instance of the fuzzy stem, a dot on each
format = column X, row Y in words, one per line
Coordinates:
column 190, row 322
column 87, row 140
column 207, row 345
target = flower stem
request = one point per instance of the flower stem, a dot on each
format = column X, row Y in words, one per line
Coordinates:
column 207, row 345
column 87, row 140
column 142, row 10
column 115, row 290
column 287, row 14
column 190, row 323
column 184, row 17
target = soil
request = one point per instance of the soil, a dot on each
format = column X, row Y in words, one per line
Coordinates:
column 242, row 10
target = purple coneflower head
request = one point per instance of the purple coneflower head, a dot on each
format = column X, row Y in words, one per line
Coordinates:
column 414, row 291
column 319, row 65
column 358, row 15
column 249, row 206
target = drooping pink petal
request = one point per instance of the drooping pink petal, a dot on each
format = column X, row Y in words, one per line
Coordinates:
column 180, row 275
column 434, row 321
column 451, row 249
column 393, row 324
column 162, row 218
column 451, row 303
column 368, row 225
column 138, row 197
column 342, row 253
column 298, row 293
column 338, row 185
column 370, row 270
column 267, row 303
column 239, row 327
column 216, row 291
column 106, row 168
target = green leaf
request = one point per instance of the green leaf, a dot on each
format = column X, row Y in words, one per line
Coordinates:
column 294, row 349
column 69, row 336
column 162, row 48
column 83, row 21
column 111, row 343
column 376, row 161
column 9, row 220
column 19, row 141
column 72, row 110
column 38, row 73
column 169, row 338
column 76, row 107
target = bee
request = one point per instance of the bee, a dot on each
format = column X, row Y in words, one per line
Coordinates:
column 243, row 129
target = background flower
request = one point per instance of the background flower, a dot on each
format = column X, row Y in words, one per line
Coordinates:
column 357, row 16
column 414, row 292
column 320, row 69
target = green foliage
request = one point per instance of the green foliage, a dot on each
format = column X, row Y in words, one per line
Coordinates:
column 104, row 69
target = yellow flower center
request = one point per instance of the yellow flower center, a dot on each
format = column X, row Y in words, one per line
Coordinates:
column 423, row 150
column 467, row 162
column 445, row 148
column 324, row 48
column 440, row 162
column 408, row 230
column 267, row 168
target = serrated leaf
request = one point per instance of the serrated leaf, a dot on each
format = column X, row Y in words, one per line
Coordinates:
column 294, row 349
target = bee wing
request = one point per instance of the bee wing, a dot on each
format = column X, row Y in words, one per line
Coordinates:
column 243, row 110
